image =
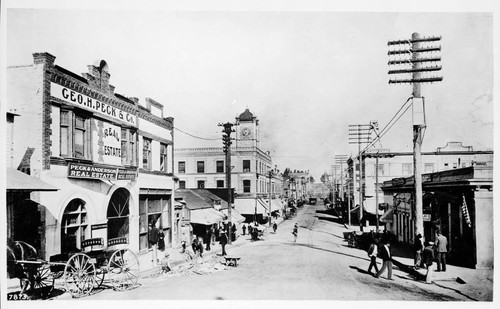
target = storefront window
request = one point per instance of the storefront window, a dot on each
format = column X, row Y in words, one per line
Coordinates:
column 74, row 226
column 154, row 210
column 118, row 212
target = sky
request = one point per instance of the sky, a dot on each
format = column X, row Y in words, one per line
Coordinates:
column 306, row 73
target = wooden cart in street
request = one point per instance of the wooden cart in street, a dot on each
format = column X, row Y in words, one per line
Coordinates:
column 82, row 271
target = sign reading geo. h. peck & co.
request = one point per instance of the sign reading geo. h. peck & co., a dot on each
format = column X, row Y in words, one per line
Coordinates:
column 91, row 104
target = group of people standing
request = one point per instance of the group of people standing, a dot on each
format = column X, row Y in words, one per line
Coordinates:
column 156, row 239
column 425, row 255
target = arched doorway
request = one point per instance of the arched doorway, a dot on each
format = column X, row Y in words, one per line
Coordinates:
column 74, row 226
column 118, row 212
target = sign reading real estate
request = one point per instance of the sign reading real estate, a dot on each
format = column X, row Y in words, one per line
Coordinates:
column 109, row 143
column 126, row 174
column 91, row 104
column 87, row 171
column 77, row 170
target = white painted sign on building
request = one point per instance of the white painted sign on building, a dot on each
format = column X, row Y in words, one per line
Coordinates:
column 79, row 99
column 107, row 143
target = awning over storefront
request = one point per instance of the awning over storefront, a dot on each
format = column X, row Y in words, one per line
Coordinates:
column 247, row 206
column 206, row 216
column 387, row 216
column 275, row 204
column 235, row 216
column 17, row 180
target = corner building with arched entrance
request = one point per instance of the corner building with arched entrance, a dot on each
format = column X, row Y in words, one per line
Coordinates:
column 110, row 156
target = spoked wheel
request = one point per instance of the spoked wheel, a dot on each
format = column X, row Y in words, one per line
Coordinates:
column 123, row 269
column 42, row 281
column 99, row 277
column 79, row 275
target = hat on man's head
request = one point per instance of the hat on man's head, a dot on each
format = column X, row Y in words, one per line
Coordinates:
column 419, row 235
column 431, row 243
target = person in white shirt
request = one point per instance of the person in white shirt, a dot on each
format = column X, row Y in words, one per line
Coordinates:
column 372, row 253
column 386, row 256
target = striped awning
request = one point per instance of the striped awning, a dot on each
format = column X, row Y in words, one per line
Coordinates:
column 275, row 204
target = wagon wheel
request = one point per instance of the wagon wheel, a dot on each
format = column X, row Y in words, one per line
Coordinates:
column 99, row 277
column 123, row 269
column 42, row 281
column 79, row 275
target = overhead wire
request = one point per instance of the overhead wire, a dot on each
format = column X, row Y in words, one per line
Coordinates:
column 198, row 137
column 389, row 125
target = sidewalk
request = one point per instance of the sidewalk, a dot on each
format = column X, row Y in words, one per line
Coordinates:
column 176, row 257
column 474, row 284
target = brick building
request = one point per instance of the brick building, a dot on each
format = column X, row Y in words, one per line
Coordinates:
column 110, row 156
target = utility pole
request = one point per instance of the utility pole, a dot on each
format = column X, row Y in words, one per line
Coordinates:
column 270, row 192
column 377, row 155
column 226, row 139
column 334, row 183
column 413, row 52
column 359, row 134
column 340, row 159
column 349, row 202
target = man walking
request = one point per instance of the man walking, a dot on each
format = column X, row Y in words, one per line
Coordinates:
column 153, row 243
column 372, row 253
column 386, row 256
column 208, row 239
column 442, row 249
column 428, row 256
column 295, row 232
column 223, row 241
column 417, row 247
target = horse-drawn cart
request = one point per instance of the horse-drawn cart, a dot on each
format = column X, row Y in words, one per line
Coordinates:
column 82, row 271
column 34, row 274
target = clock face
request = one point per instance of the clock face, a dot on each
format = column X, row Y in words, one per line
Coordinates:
column 245, row 132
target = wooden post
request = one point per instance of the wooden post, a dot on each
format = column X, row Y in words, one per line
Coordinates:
column 417, row 143
column 376, row 192
column 228, row 181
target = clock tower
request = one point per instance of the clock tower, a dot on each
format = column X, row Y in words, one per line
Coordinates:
column 247, row 130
